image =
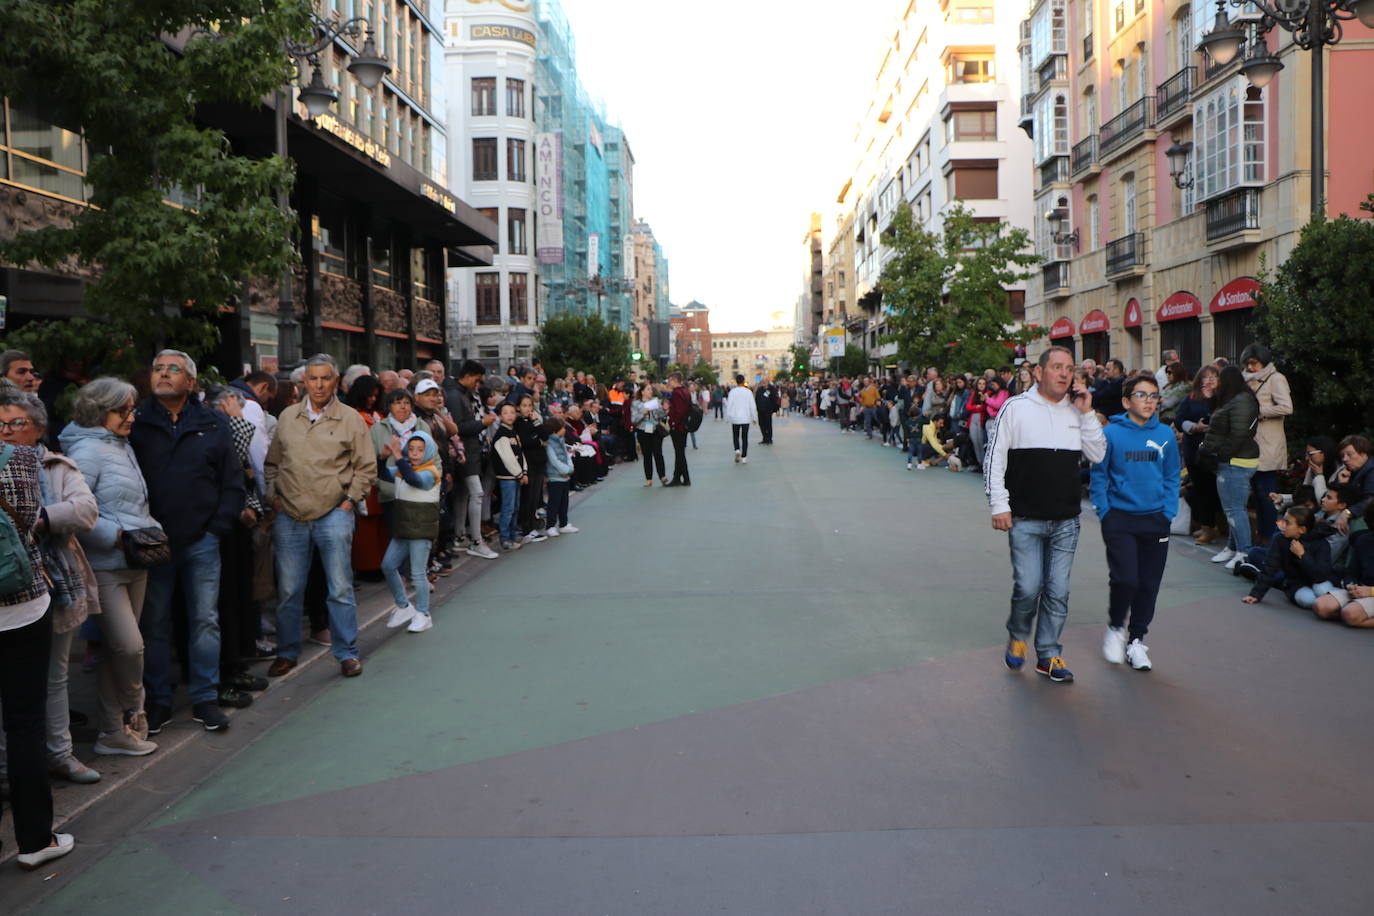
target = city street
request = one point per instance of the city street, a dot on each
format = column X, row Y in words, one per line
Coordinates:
column 779, row 691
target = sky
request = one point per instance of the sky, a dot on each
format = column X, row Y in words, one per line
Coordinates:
column 740, row 115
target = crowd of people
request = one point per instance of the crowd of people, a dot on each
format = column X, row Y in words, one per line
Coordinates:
column 184, row 530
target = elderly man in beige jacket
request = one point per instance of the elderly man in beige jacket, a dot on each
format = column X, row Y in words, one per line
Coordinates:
column 321, row 464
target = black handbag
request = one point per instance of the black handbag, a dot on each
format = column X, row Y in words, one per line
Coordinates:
column 145, row 548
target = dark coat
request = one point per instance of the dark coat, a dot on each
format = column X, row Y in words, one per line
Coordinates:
column 678, row 406
column 1232, row 430
column 470, row 427
column 195, row 480
column 1284, row 570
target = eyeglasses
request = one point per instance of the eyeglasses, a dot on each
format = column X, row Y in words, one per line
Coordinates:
column 18, row 424
column 170, row 368
column 123, row 413
column 1146, row 395
column 1314, row 452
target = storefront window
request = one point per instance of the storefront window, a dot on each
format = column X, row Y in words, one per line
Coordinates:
column 330, row 230
column 39, row 154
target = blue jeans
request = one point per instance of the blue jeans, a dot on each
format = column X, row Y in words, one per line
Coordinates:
column 397, row 552
column 510, row 500
column 196, row 566
column 1041, row 560
column 1233, row 489
column 870, row 414
column 1307, row 596
column 292, row 543
column 557, row 516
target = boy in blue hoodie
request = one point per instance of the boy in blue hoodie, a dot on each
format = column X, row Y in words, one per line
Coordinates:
column 1135, row 491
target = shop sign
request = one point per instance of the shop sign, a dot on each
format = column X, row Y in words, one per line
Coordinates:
column 1238, row 294
column 369, row 148
column 1061, row 328
column 548, row 185
column 440, row 197
column 484, row 31
column 1180, row 305
column 1133, row 313
column 1095, row 322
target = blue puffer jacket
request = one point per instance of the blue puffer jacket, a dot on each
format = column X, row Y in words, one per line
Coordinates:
column 111, row 471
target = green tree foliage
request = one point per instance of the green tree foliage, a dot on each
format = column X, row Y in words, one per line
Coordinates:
column 854, row 362
column 108, row 68
column 946, row 292
column 1315, row 314
column 583, row 343
column 799, row 363
column 704, row 372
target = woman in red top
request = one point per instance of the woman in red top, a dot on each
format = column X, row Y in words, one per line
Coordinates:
column 977, row 411
column 997, row 396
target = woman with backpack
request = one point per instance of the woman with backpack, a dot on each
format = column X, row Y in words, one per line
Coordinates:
column 1230, row 443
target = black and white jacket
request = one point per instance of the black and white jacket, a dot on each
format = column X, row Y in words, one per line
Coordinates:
column 1033, row 452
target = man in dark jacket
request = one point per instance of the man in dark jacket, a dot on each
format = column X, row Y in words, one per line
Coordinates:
column 195, row 491
column 466, row 407
column 679, row 404
column 766, row 400
column 1107, row 392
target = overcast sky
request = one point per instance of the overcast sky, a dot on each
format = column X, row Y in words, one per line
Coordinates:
column 740, row 115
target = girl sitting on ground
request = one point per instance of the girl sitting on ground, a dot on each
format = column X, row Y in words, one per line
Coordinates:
column 1299, row 562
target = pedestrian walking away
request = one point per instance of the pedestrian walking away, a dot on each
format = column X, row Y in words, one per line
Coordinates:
column 1135, row 493
column 1032, row 483
column 740, row 411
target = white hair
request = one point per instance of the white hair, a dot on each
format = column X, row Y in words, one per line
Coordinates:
column 190, row 363
column 353, row 373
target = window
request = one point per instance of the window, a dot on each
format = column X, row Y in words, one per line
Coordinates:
column 1229, row 141
column 1128, row 204
column 515, row 160
column 1049, row 32
column 970, row 68
column 980, row 124
column 484, row 159
column 515, row 98
column 488, row 298
column 972, row 179
column 1183, row 38
column 1051, row 127
column 1094, row 229
column 519, row 300
column 1119, row 16
column 515, row 231
column 971, row 15
column 483, row 96
column 40, row 154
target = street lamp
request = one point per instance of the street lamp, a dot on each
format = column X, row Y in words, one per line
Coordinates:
column 1314, row 24
column 1057, row 218
column 317, row 96
column 1180, row 170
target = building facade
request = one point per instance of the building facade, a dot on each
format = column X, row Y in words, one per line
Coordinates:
column 1141, row 257
column 757, row 355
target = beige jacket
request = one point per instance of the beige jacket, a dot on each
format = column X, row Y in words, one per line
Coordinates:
column 71, row 512
column 1275, row 403
column 312, row 467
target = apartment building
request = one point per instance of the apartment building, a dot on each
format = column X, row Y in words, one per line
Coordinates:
column 940, row 127
column 757, row 355
column 1144, row 255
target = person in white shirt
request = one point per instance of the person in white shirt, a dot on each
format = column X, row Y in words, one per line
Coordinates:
column 1162, row 373
column 740, row 411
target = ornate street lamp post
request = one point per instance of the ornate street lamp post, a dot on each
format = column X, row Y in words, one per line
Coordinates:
column 317, row 96
column 1314, row 24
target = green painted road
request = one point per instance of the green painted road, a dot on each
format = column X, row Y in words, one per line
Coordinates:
column 777, row 691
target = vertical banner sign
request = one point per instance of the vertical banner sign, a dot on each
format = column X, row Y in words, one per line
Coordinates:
column 834, row 343
column 627, row 257
column 594, row 254
column 548, row 183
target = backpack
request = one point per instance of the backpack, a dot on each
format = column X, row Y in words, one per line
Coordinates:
column 16, row 572
column 694, row 417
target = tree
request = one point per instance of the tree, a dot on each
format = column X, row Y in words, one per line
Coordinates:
column 946, row 292
column 799, row 360
column 704, row 372
column 159, row 273
column 854, row 362
column 1315, row 315
column 585, row 343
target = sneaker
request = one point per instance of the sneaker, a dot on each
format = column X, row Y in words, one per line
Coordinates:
column 1138, row 654
column 321, row 638
column 245, row 681
column 1226, row 554
column 541, row 513
column 551, row 533
column 420, row 623
column 400, row 616
column 908, row 465
column 480, row 549
column 62, row 843
column 72, row 770
column 1114, row 645
column 233, row 698
column 1015, row 656
column 124, row 742
column 158, row 716
column 1235, row 561
column 922, row 466
column 744, row 460
column 207, row 713
column 568, row 529
column 736, row 456
column 1054, row 669
column 534, row 537
column 264, row 650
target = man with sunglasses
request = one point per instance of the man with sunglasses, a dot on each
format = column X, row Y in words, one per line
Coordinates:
column 1135, row 492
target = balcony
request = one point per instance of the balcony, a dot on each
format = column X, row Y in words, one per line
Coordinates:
column 1172, row 95
column 1027, row 120
column 1234, row 214
column 1055, row 276
column 1127, row 126
column 1088, row 47
column 1056, row 68
column 1126, row 255
column 1054, row 170
column 1084, row 155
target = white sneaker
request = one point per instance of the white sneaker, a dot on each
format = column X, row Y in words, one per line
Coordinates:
column 568, row 529
column 63, row 844
column 922, row 466
column 1114, row 645
column 124, row 742
column 421, row 623
column 534, row 537
column 736, row 456
column 1138, row 654
column 400, row 616
column 1226, row 554
column 908, row 465
column 744, row 460
column 552, row 532
column 480, row 549
column 1234, row 561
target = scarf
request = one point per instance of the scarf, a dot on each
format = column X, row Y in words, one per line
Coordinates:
column 402, row 429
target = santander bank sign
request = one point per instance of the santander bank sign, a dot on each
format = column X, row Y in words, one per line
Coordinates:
column 1238, row 294
column 1180, row 305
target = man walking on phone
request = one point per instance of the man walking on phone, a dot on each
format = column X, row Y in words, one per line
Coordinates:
column 1032, row 481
